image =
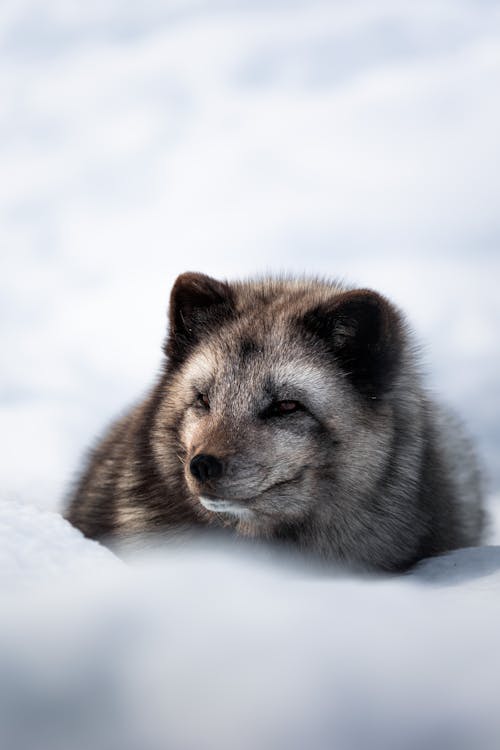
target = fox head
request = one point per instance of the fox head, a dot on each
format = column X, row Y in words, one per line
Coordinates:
column 279, row 396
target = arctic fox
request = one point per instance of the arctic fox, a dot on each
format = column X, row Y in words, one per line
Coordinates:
column 289, row 409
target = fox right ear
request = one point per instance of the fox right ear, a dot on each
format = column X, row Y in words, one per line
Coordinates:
column 365, row 334
column 198, row 303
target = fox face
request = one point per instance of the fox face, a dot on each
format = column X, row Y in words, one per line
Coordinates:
column 253, row 433
column 279, row 393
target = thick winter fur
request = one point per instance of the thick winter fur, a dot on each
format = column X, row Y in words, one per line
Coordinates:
column 307, row 399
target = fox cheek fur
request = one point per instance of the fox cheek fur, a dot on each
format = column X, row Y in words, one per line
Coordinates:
column 290, row 409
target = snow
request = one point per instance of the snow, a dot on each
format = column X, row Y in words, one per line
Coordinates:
column 37, row 546
column 215, row 646
column 139, row 140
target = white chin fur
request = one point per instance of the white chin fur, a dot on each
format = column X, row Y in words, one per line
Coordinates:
column 224, row 506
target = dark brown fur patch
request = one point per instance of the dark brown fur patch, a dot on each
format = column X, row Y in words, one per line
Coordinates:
column 248, row 348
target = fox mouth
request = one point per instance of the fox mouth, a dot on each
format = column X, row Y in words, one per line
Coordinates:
column 241, row 507
column 217, row 505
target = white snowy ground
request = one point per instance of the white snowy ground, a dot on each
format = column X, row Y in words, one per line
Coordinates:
column 214, row 647
column 138, row 140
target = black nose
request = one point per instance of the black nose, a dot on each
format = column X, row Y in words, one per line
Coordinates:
column 204, row 467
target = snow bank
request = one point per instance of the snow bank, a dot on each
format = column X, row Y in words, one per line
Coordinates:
column 38, row 547
column 221, row 647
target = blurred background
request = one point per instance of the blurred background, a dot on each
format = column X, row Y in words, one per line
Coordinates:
column 354, row 139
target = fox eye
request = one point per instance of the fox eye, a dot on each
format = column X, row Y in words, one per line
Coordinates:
column 283, row 408
column 203, row 400
column 286, row 407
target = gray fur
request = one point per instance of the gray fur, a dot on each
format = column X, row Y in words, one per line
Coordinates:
column 370, row 472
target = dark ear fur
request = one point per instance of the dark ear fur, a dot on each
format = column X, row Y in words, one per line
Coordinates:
column 364, row 333
column 198, row 303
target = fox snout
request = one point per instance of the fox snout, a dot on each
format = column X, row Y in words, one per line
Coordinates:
column 204, row 467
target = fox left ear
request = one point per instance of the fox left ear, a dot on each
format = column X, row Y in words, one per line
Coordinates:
column 365, row 335
column 198, row 303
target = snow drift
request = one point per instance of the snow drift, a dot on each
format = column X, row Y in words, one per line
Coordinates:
column 216, row 646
